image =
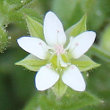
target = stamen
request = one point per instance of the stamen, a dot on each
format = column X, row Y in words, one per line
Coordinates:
column 40, row 43
column 48, row 66
column 59, row 49
column 72, row 67
column 77, row 44
column 57, row 31
column 44, row 47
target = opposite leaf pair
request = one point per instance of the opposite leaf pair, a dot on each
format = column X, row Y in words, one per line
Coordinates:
column 55, row 37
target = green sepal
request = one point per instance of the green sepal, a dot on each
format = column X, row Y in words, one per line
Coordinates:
column 59, row 88
column 32, row 63
column 84, row 63
column 64, row 58
column 53, row 61
column 78, row 28
column 35, row 28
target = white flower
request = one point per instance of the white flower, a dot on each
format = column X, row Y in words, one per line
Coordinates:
column 55, row 39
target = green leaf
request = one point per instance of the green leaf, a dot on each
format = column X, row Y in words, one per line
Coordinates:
column 84, row 63
column 35, row 28
column 99, row 83
column 18, row 4
column 33, row 103
column 17, row 9
column 32, row 63
column 105, row 39
column 70, row 101
column 104, row 7
column 95, row 16
column 3, row 39
column 77, row 28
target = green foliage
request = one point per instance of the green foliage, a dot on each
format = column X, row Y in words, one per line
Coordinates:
column 33, row 103
column 95, row 15
column 32, row 63
column 35, row 28
column 99, row 52
column 3, row 39
column 103, row 50
column 71, row 100
column 16, row 86
column 84, row 63
column 13, row 12
column 99, row 83
column 69, row 14
column 104, row 6
column 105, row 39
column 9, row 10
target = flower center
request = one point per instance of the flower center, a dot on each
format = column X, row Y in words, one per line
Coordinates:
column 59, row 49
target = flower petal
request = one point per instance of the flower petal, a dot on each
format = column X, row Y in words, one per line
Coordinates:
column 53, row 30
column 34, row 46
column 74, row 79
column 45, row 78
column 81, row 43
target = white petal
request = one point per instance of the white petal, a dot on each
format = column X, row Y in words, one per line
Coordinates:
column 53, row 30
column 81, row 43
column 34, row 46
column 74, row 79
column 45, row 78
